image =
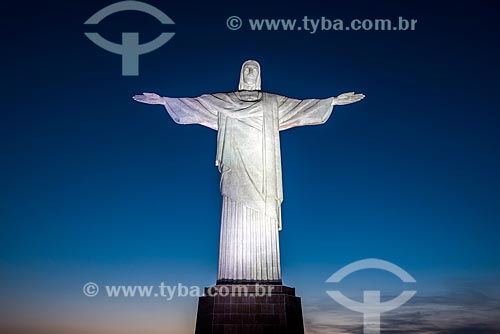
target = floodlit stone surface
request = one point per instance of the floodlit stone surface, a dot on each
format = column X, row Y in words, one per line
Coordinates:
column 248, row 122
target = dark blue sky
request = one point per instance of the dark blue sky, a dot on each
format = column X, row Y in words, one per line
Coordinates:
column 96, row 187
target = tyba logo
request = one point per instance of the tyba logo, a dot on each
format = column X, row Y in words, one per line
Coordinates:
column 371, row 307
column 130, row 49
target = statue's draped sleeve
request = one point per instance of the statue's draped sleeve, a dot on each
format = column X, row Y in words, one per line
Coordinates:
column 195, row 110
column 294, row 112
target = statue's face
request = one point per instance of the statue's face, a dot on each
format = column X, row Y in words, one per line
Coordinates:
column 250, row 74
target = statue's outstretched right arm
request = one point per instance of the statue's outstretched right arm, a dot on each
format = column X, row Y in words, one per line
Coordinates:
column 184, row 110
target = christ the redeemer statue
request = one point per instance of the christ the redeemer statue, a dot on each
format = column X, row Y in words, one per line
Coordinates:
column 248, row 122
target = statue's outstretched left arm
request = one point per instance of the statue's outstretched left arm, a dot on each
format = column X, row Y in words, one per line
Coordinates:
column 295, row 112
column 347, row 98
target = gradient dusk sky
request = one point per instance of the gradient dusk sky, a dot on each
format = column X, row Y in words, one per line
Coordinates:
column 96, row 187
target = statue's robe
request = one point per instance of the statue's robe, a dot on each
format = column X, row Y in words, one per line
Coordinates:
column 248, row 158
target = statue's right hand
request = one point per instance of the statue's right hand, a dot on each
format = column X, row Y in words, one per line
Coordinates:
column 149, row 98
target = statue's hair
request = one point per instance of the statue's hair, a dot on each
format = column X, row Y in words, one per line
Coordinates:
column 245, row 86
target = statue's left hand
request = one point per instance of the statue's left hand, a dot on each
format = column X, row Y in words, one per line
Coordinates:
column 149, row 98
column 347, row 98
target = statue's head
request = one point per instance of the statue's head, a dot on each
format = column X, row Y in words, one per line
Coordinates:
column 250, row 76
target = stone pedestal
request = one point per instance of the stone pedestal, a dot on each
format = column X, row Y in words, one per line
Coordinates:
column 249, row 309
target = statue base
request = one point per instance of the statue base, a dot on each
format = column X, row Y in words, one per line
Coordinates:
column 249, row 309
